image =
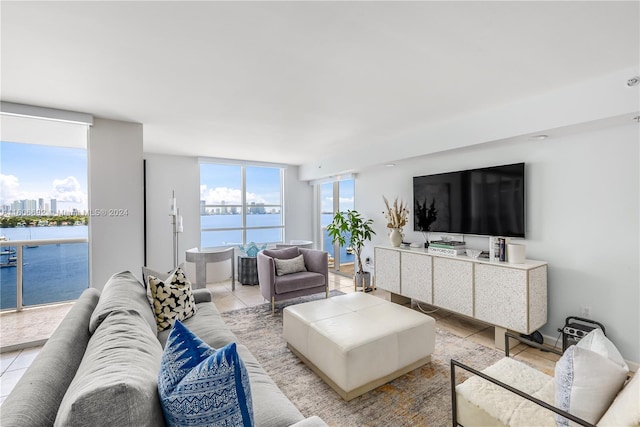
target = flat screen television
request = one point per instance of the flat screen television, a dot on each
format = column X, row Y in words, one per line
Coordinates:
column 487, row 201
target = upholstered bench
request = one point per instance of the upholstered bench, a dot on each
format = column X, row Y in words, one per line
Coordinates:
column 357, row 342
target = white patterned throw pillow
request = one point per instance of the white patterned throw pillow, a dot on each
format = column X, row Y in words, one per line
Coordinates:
column 201, row 386
column 588, row 376
column 172, row 299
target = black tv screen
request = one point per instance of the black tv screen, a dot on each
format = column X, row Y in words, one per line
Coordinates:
column 487, row 201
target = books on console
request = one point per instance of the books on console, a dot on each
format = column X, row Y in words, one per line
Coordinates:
column 446, row 251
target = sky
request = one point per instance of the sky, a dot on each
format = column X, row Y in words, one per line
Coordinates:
column 345, row 192
column 31, row 171
column 220, row 182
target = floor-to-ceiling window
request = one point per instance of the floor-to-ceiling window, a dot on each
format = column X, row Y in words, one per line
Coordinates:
column 336, row 196
column 43, row 211
column 240, row 203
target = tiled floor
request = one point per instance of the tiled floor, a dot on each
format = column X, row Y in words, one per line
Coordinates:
column 20, row 326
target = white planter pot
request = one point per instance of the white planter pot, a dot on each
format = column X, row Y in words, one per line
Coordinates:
column 395, row 237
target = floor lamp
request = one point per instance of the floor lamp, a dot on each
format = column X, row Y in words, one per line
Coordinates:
column 176, row 220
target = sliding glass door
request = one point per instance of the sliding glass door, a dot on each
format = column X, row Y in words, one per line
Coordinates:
column 336, row 196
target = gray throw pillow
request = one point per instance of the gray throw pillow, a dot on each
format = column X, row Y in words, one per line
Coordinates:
column 117, row 381
column 122, row 292
column 290, row 266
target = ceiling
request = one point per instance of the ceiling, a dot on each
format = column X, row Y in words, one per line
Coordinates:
column 290, row 82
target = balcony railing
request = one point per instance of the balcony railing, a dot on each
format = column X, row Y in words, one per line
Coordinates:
column 43, row 271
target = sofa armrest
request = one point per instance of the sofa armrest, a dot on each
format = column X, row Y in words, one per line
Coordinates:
column 314, row 421
column 316, row 260
column 202, row 295
column 266, row 268
column 454, row 405
column 266, row 275
column 36, row 398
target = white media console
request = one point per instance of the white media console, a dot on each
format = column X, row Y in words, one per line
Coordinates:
column 509, row 296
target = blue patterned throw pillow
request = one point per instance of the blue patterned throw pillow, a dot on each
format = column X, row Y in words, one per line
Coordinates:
column 202, row 386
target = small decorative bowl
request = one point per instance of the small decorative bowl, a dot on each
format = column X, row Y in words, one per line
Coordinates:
column 473, row 253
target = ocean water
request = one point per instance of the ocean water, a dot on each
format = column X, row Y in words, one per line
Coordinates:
column 212, row 239
column 51, row 273
column 57, row 273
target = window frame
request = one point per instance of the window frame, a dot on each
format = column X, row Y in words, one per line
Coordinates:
column 244, row 207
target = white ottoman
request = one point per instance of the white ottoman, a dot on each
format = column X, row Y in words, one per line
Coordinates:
column 357, row 342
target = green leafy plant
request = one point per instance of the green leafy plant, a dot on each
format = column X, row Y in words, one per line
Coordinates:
column 352, row 229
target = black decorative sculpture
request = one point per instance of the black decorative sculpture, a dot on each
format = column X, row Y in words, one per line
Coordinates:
column 425, row 217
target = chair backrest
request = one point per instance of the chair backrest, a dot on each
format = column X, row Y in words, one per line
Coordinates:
column 282, row 253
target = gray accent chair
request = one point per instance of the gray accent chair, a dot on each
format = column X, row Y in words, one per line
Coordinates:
column 278, row 288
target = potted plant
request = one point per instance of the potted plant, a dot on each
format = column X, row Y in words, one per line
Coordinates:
column 352, row 229
column 396, row 216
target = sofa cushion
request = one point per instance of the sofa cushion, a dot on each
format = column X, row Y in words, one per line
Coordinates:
column 271, row 408
column 44, row 384
column 207, row 325
column 298, row 281
column 199, row 385
column 122, row 292
column 289, row 266
column 146, row 272
column 625, row 409
column 172, row 299
column 284, row 253
column 116, row 383
column 588, row 376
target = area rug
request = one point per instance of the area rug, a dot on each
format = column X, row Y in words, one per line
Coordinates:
column 420, row 398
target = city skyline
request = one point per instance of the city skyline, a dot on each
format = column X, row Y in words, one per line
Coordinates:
column 33, row 172
column 31, row 207
column 221, row 183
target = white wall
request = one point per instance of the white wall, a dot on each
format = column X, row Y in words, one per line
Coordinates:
column 298, row 208
column 115, row 182
column 604, row 98
column 182, row 174
column 165, row 174
column 582, row 215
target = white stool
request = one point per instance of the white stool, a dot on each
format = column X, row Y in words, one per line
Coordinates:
column 357, row 342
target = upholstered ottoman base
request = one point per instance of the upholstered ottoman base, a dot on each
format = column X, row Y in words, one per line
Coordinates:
column 357, row 342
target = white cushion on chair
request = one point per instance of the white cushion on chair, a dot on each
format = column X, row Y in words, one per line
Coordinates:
column 625, row 409
column 588, row 376
column 481, row 402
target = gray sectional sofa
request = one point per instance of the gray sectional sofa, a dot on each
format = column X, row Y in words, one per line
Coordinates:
column 100, row 366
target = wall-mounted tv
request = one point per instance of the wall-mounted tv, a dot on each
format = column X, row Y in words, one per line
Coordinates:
column 487, row 201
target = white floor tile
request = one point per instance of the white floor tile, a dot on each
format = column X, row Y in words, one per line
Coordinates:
column 9, row 380
column 25, row 358
column 6, row 359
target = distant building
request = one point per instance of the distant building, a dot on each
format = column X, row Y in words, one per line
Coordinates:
column 203, row 209
column 41, row 205
column 54, row 206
